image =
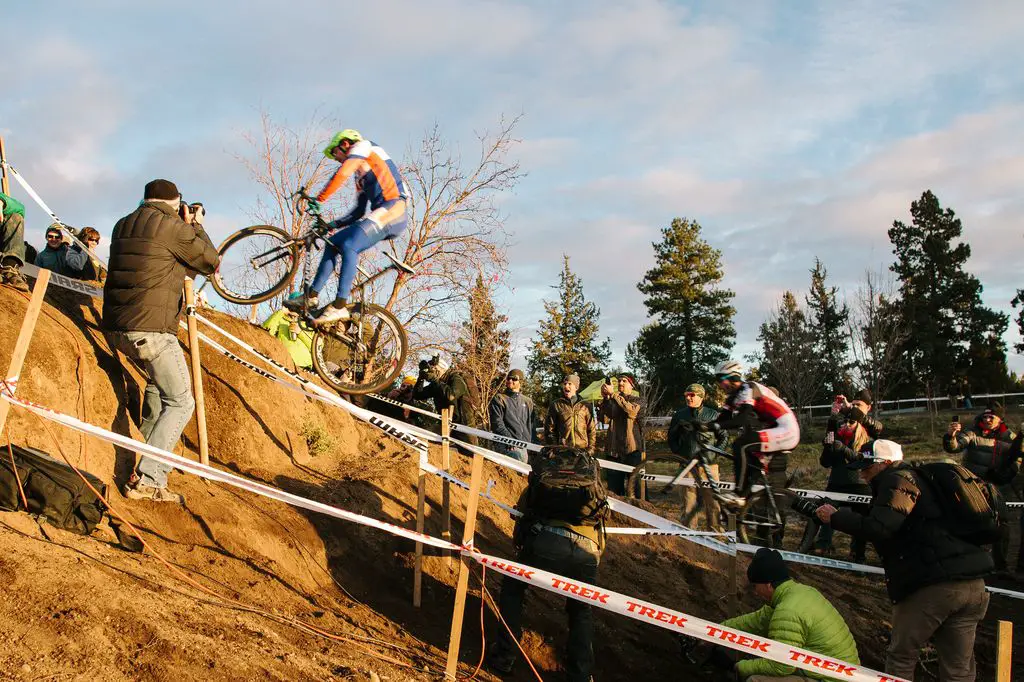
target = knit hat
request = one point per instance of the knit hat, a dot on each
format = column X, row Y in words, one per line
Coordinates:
column 516, row 374
column 995, row 409
column 161, row 189
column 767, row 567
column 573, row 379
column 696, row 388
column 628, row 377
column 864, row 396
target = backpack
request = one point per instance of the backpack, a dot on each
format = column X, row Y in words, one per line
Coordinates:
column 566, row 485
column 53, row 490
column 970, row 505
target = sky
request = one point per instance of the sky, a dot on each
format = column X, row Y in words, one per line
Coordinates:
column 788, row 130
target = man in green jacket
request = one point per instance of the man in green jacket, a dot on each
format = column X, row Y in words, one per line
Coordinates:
column 795, row 614
column 12, row 242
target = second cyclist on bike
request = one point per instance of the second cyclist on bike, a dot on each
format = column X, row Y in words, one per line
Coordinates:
column 767, row 423
column 379, row 213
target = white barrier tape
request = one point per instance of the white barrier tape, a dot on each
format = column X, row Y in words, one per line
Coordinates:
column 213, row 474
column 64, row 281
column 682, row 623
column 407, row 406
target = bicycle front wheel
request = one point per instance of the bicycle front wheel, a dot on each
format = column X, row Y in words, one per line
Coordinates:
column 760, row 522
column 363, row 354
column 256, row 263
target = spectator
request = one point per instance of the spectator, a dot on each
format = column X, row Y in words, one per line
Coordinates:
column 439, row 382
column 689, row 427
column 560, row 536
column 625, row 438
column 570, row 421
column 403, row 394
column 83, row 264
column 988, row 448
column 965, row 389
column 512, row 415
column 796, row 615
column 151, row 252
column 12, row 242
column 849, row 427
column 54, row 256
column 935, row 580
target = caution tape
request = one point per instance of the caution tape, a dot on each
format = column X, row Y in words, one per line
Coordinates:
column 64, row 281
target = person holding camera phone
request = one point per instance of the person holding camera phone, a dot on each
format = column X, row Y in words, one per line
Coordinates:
column 152, row 250
column 625, row 441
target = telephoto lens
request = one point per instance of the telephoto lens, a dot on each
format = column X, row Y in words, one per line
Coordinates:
column 806, row 506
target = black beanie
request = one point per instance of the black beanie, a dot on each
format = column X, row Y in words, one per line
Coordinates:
column 161, row 189
column 865, row 397
column 767, row 567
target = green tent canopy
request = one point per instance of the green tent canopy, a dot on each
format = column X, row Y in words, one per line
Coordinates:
column 592, row 393
column 279, row 325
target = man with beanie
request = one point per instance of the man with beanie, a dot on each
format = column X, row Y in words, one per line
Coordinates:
column 936, row 580
column 12, row 242
column 625, row 443
column 151, row 252
column 689, row 427
column 570, row 421
column 511, row 414
column 795, row 614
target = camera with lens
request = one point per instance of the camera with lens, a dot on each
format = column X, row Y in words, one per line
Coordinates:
column 188, row 212
column 807, row 506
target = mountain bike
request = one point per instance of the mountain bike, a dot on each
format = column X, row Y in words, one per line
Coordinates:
column 362, row 354
column 759, row 521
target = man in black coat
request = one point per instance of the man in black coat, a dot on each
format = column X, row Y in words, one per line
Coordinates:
column 935, row 580
column 152, row 249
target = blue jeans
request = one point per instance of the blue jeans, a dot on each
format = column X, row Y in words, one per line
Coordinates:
column 576, row 557
column 168, row 403
column 346, row 244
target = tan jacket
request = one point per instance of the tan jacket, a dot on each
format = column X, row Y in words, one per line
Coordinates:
column 625, row 432
column 570, row 424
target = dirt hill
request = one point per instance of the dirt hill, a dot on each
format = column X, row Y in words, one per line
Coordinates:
column 83, row 608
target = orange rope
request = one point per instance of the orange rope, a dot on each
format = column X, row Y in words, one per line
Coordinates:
column 14, row 466
column 497, row 612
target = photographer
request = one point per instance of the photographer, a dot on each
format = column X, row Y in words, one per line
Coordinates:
column 625, row 440
column 152, row 250
column 447, row 387
column 934, row 578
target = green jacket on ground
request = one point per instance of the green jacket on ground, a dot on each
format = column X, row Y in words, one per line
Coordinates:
column 798, row 615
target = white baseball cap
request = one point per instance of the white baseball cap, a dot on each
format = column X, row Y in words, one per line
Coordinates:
column 880, row 450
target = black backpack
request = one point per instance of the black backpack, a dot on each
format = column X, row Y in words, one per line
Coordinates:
column 52, row 488
column 970, row 505
column 566, row 485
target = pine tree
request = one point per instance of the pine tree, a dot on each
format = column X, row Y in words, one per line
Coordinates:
column 484, row 347
column 693, row 329
column 789, row 354
column 1018, row 300
column 829, row 321
column 567, row 338
column 940, row 303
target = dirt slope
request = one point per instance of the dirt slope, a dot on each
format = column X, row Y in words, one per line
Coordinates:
column 82, row 608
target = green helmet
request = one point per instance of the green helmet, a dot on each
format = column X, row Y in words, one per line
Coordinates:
column 346, row 134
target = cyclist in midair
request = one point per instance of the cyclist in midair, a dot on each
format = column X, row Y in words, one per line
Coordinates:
column 767, row 423
column 379, row 213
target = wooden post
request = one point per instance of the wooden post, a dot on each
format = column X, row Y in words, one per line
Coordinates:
column 733, row 566
column 475, row 481
column 197, row 372
column 4, row 183
column 1004, row 651
column 417, row 569
column 252, row 315
column 28, row 327
column 446, row 492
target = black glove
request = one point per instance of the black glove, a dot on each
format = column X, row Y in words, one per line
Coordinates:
column 856, row 415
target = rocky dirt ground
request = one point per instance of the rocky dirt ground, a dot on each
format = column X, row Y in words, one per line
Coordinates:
column 235, row 586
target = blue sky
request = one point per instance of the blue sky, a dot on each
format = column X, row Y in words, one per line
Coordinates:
column 789, row 130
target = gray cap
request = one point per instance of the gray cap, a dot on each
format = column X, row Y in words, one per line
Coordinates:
column 573, row 379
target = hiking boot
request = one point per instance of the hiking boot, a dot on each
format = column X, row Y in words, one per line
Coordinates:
column 299, row 301
column 141, row 491
column 331, row 314
column 12, row 277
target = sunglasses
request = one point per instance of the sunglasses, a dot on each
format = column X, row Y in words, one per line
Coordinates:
column 513, row 379
column 53, row 236
column 92, row 241
column 690, row 395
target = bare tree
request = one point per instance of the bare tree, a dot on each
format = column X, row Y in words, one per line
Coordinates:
column 484, row 348
column 876, row 333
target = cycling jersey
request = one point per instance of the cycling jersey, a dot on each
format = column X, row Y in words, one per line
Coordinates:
column 780, row 430
column 377, row 177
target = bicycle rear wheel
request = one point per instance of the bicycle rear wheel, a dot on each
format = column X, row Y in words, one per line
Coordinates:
column 760, row 521
column 363, row 354
column 256, row 263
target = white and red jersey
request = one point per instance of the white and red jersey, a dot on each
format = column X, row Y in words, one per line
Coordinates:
column 780, row 428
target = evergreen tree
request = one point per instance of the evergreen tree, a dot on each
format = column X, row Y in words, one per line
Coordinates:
column 940, row 303
column 829, row 321
column 1018, row 300
column 693, row 329
column 567, row 338
column 484, row 347
column 789, row 354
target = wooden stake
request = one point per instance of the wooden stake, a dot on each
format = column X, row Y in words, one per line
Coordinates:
column 417, row 568
column 733, row 566
column 28, row 327
column 1004, row 651
column 454, row 641
column 4, row 183
column 252, row 314
column 446, row 465
column 197, row 372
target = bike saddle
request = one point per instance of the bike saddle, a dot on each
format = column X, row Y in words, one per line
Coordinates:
column 400, row 264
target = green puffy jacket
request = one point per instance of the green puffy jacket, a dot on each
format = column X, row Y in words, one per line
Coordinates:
column 12, row 205
column 801, row 616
